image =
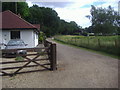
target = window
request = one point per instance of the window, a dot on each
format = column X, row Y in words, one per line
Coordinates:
column 15, row 34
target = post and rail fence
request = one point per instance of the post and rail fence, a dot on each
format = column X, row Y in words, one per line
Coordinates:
column 52, row 53
column 110, row 45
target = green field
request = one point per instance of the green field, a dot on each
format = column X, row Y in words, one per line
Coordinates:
column 108, row 44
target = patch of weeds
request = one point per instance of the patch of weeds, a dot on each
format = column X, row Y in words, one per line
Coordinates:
column 12, row 78
column 42, row 53
column 90, row 49
column 19, row 58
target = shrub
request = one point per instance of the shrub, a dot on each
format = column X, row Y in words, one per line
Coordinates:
column 85, row 33
column 19, row 58
column 42, row 37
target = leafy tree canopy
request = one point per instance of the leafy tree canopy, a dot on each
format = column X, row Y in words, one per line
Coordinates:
column 104, row 21
column 49, row 21
column 16, row 7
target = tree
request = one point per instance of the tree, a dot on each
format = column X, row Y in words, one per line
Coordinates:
column 104, row 21
column 48, row 18
column 36, row 15
column 68, row 27
column 21, row 7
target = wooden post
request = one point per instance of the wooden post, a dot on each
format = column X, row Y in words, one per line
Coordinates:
column 71, row 41
column 88, row 41
column 81, row 42
column 116, row 43
column 99, row 43
column 53, row 57
column 75, row 40
column 45, row 43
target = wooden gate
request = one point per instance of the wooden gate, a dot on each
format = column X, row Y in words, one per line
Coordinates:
column 44, row 57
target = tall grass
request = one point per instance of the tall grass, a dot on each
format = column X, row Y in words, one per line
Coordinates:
column 109, row 44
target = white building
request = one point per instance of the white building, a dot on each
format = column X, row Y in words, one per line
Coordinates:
column 14, row 27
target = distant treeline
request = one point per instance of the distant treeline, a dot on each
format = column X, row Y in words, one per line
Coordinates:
column 105, row 21
column 50, row 22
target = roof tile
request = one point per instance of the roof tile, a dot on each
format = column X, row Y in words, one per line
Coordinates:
column 13, row 21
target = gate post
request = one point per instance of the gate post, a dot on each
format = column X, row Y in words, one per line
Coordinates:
column 53, row 64
column 45, row 43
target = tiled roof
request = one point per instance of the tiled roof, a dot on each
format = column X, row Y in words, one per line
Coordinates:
column 37, row 26
column 13, row 21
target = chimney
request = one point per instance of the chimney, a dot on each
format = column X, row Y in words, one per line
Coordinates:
column 19, row 15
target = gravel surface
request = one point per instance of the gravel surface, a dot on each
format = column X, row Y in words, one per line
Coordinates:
column 76, row 69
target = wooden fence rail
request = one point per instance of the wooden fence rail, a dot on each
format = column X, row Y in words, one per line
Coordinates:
column 46, row 54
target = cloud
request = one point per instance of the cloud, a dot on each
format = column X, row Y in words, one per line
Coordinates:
column 75, row 10
column 29, row 3
column 54, row 4
column 112, row 3
column 77, row 15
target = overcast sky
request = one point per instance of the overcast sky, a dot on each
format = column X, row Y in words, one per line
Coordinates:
column 74, row 10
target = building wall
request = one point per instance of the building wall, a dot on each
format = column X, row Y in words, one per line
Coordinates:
column 28, row 36
column 5, row 37
column 36, row 38
column 0, row 35
column 1, row 39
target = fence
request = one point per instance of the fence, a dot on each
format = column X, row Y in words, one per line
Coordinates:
column 109, row 45
column 44, row 57
column 51, row 53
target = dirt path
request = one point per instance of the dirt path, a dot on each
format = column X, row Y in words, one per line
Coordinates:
column 76, row 69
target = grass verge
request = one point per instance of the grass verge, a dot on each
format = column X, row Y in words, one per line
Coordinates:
column 99, row 52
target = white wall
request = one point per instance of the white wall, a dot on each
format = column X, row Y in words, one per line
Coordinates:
column 0, row 35
column 36, row 38
column 0, row 38
column 27, row 37
column 5, row 37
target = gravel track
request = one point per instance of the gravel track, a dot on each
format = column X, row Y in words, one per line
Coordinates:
column 76, row 69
